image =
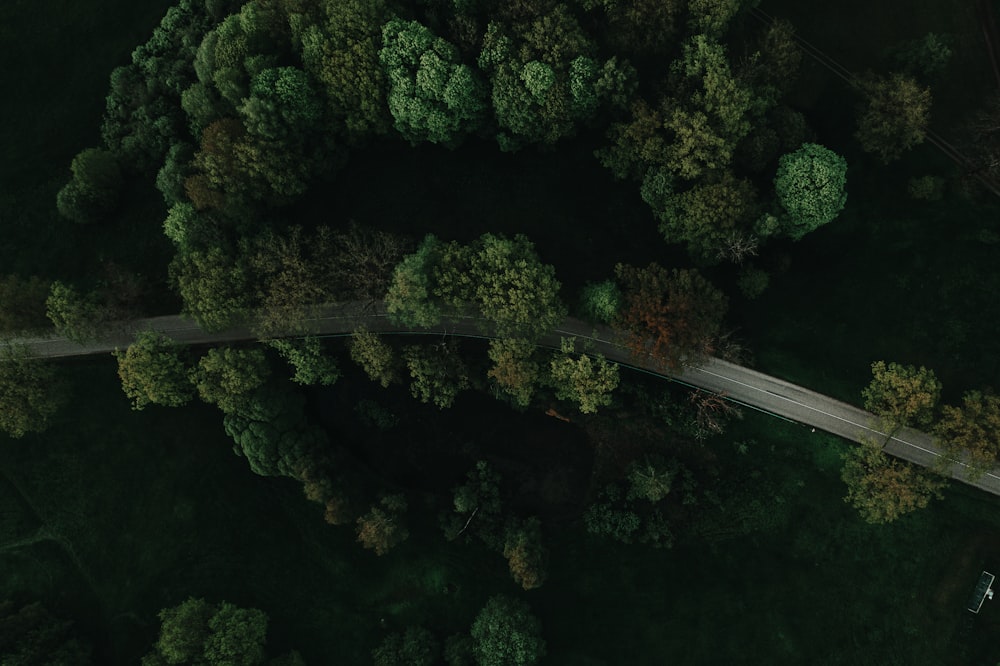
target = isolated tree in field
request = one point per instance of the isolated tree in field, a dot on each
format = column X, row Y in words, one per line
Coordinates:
column 414, row 647
column 883, row 488
column 902, row 394
column 197, row 632
column 30, row 634
column 227, row 377
column 22, row 305
column 93, row 190
column 810, row 187
column 672, row 315
column 312, row 367
column 432, row 95
column 153, row 373
column 514, row 369
column 375, row 357
column 972, row 430
column 505, row 633
column 526, row 555
column 894, row 115
column 438, row 373
column 584, row 379
column 381, row 529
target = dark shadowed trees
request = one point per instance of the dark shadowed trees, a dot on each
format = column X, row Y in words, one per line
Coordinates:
column 505, row 633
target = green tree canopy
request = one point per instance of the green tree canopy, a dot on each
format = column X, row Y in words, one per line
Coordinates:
column 382, row 529
column 586, row 380
column 438, row 373
column 477, row 509
column 526, row 555
column 197, row 632
column 882, row 488
column 432, row 95
column 514, row 368
column 312, row 367
column 505, row 633
column 903, row 394
column 92, row 192
column 153, row 373
column 213, row 287
column 375, row 357
column 269, row 428
column 227, row 377
column 972, row 431
column 894, row 115
column 30, row 635
column 810, row 187
column 413, row 647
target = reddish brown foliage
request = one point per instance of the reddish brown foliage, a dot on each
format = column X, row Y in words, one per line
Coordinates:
column 671, row 315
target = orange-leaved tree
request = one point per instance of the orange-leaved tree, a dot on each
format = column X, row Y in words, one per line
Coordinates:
column 674, row 316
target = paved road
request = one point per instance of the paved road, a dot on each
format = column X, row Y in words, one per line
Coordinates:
column 738, row 383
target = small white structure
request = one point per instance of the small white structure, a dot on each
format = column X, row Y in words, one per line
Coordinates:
column 984, row 590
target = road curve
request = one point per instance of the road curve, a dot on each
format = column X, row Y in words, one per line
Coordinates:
column 738, row 383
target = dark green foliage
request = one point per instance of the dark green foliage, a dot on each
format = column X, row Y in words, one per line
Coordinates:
column 213, row 287
column 175, row 170
column 713, row 218
column 92, row 193
column 381, row 529
column 458, row 650
column 190, row 229
column 545, row 79
column 926, row 188
column 650, row 479
column 925, row 58
column 22, row 305
column 80, row 317
column 505, row 633
column 363, row 261
column 270, row 430
column 432, row 95
column 282, row 105
column 152, row 372
column 515, row 292
column 414, row 647
column 810, row 186
column 374, row 356
column 902, row 394
column 228, row 377
column 312, row 367
column 438, row 373
column 31, row 635
column 894, row 115
column 972, row 431
column 632, row 517
column 196, row 632
column 477, row 509
column 526, row 555
column 515, row 370
column 753, row 281
column 340, row 49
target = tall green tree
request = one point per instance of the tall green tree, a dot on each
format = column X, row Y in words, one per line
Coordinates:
column 415, row 646
column 902, row 394
column 433, row 96
column 810, row 186
column 227, row 377
column 514, row 368
column 438, row 373
column 894, row 115
column 586, row 380
column 197, row 632
column 505, row 633
column 213, row 287
column 526, row 555
column 882, row 488
column 382, row 529
column 93, row 191
column 22, row 305
column 311, row 366
column 972, row 431
column 153, row 373
column 375, row 357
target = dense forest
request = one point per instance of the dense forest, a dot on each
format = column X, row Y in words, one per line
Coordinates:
column 812, row 192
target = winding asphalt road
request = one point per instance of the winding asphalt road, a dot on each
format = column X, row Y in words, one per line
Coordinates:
column 740, row 384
